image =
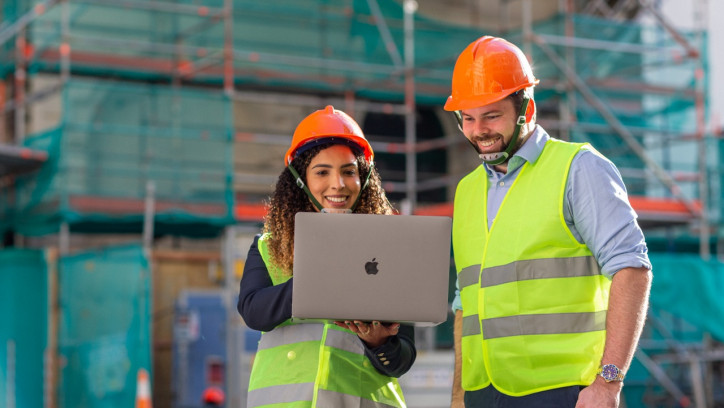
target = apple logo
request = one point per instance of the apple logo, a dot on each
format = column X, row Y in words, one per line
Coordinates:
column 371, row 267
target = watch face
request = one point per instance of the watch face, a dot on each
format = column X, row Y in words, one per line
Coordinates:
column 609, row 372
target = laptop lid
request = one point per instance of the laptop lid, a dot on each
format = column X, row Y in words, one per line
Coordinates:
column 391, row 268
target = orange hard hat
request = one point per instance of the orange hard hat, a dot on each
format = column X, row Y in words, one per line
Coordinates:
column 213, row 395
column 328, row 123
column 488, row 70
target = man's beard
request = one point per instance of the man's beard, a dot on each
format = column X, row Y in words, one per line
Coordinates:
column 518, row 144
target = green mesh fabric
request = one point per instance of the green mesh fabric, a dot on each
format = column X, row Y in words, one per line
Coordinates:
column 643, row 78
column 105, row 335
column 112, row 140
column 314, row 45
column 679, row 276
column 321, row 46
column 685, row 304
column 23, row 326
column 303, row 44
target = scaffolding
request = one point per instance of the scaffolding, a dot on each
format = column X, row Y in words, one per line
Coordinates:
column 613, row 89
column 155, row 96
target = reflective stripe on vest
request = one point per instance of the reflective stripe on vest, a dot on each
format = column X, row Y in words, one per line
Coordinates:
column 557, row 323
column 469, row 276
column 290, row 393
column 534, row 316
column 532, row 324
column 311, row 332
column 341, row 353
column 471, row 325
column 540, row 269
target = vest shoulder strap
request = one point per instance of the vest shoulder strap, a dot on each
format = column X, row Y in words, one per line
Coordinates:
column 276, row 274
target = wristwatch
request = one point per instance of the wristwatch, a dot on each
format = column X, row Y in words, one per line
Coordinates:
column 610, row 373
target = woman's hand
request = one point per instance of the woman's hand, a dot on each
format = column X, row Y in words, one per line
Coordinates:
column 373, row 334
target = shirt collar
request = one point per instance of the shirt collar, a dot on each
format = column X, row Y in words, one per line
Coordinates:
column 530, row 151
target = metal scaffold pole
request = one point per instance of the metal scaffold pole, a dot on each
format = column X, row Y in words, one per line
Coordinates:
column 705, row 229
column 693, row 52
column 228, row 48
column 65, row 42
column 20, row 84
column 410, row 6
column 616, row 124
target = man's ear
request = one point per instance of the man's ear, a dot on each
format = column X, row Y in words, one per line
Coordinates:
column 529, row 111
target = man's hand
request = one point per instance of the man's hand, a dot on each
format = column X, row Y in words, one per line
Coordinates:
column 600, row 394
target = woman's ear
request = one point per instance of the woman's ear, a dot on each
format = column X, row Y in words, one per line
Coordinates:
column 529, row 111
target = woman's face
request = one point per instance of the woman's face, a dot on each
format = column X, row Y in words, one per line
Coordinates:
column 333, row 177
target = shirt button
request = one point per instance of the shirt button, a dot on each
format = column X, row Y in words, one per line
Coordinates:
column 383, row 358
column 501, row 184
column 380, row 354
column 386, row 363
column 291, row 355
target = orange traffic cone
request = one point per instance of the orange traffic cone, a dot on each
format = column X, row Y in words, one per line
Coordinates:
column 143, row 390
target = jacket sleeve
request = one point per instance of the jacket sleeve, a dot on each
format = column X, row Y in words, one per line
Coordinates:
column 398, row 352
column 262, row 305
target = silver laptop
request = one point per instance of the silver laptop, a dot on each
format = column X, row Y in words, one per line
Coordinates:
column 391, row 268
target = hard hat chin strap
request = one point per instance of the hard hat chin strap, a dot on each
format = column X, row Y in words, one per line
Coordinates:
column 500, row 157
column 494, row 159
column 300, row 184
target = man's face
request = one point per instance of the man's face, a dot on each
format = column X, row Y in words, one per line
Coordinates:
column 489, row 128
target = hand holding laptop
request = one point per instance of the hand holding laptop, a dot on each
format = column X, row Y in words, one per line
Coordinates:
column 373, row 333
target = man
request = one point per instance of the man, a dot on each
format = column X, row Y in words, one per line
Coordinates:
column 553, row 272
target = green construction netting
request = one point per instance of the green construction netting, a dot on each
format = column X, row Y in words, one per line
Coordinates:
column 685, row 306
column 319, row 45
column 701, row 283
column 298, row 44
column 105, row 329
column 638, row 72
column 23, row 327
column 113, row 139
column 644, row 79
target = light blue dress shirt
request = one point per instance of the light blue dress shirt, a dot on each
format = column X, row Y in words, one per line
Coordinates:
column 595, row 207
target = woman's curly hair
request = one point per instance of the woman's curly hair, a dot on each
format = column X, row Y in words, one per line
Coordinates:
column 288, row 199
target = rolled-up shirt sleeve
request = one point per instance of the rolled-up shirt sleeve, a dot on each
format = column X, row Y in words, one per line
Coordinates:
column 457, row 303
column 599, row 214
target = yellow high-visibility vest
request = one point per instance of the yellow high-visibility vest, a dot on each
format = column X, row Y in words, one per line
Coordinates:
column 315, row 365
column 534, row 299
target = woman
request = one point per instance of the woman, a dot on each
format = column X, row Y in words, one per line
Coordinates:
column 346, row 364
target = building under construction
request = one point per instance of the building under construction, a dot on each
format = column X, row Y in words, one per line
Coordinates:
column 139, row 140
